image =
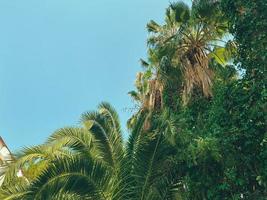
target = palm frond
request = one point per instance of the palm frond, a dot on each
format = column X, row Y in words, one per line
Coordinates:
column 78, row 174
column 94, row 122
column 152, row 26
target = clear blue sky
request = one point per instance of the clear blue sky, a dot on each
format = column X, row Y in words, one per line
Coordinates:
column 59, row 58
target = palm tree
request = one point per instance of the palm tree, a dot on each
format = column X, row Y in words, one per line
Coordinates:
column 148, row 96
column 91, row 162
column 190, row 38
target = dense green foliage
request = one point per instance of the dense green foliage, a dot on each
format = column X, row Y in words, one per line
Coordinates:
column 199, row 131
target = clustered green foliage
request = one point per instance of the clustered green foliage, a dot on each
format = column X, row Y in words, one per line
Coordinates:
column 199, row 132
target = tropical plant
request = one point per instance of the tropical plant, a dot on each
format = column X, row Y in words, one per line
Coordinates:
column 206, row 149
column 91, row 162
column 191, row 39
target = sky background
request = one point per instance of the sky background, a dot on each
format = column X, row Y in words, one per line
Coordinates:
column 60, row 58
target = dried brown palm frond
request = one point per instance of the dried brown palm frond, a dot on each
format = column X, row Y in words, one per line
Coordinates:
column 197, row 73
column 149, row 92
column 155, row 96
column 149, row 98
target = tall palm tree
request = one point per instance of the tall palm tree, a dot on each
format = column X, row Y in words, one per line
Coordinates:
column 191, row 38
column 91, row 162
column 148, row 96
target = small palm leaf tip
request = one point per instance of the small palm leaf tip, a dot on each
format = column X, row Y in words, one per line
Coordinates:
column 88, row 124
column 181, row 11
column 5, row 159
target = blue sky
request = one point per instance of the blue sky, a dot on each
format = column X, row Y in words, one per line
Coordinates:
column 59, row 58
